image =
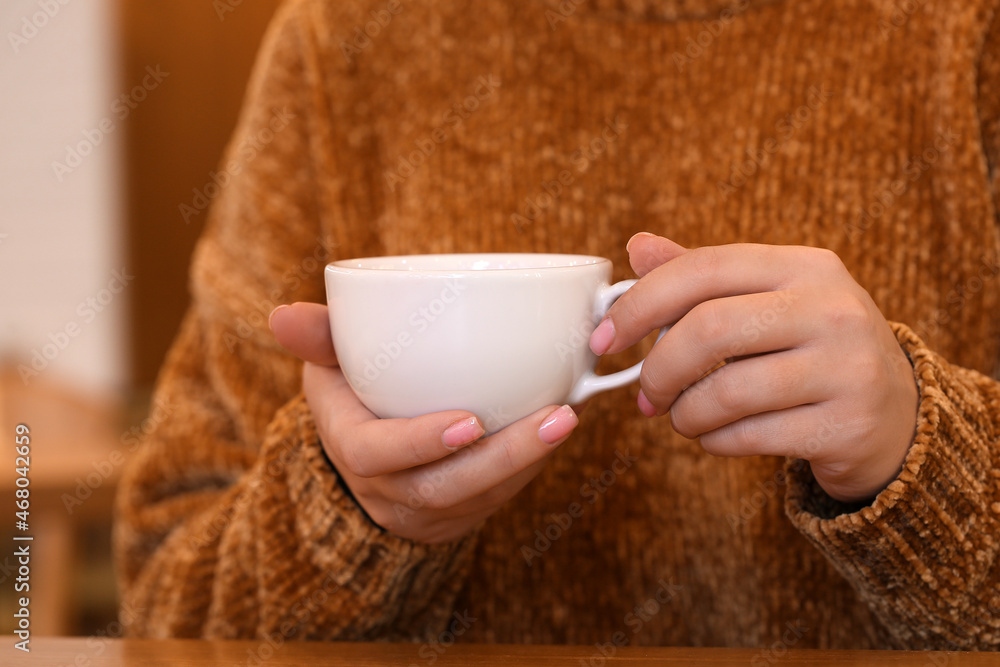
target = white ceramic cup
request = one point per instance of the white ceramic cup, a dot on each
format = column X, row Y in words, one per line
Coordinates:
column 499, row 335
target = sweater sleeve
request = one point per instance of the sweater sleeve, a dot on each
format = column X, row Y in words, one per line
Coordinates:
column 230, row 521
column 925, row 554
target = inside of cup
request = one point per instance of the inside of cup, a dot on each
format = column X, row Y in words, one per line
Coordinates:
column 470, row 262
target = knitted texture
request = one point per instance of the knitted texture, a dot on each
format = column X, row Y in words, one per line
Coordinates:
column 857, row 125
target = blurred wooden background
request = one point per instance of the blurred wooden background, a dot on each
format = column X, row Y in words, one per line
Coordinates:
column 174, row 140
column 203, row 50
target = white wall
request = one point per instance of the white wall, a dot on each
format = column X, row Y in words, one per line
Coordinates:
column 61, row 231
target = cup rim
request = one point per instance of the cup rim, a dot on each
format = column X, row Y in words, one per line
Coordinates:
column 529, row 261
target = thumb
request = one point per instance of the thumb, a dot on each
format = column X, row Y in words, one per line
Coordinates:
column 304, row 330
column 647, row 251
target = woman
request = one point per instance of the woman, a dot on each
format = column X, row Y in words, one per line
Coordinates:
column 818, row 181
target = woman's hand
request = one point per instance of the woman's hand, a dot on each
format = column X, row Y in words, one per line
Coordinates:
column 429, row 479
column 812, row 370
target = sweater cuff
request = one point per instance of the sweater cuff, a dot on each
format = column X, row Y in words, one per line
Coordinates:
column 928, row 514
column 329, row 522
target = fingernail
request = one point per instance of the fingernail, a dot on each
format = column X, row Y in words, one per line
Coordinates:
column 462, row 432
column 634, row 237
column 270, row 318
column 558, row 425
column 645, row 407
column 602, row 337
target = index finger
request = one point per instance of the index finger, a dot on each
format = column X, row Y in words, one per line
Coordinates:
column 647, row 251
column 669, row 291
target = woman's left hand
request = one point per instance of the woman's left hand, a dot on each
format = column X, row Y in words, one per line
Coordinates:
column 812, row 369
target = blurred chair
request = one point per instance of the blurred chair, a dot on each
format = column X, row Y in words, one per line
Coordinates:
column 76, row 456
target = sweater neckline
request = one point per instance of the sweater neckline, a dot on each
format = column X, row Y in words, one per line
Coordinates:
column 656, row 11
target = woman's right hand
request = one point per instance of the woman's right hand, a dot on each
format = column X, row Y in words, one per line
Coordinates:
column 431, row 478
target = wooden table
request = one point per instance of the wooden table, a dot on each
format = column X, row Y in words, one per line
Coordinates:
column 95, row 652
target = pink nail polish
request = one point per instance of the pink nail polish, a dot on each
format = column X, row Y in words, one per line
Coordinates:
column 558, row 425
column 603, row 336
column 461, row 433
column 270, row 317
column 645, row 407
column 634, row 237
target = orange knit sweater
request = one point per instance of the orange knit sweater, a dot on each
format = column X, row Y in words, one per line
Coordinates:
column 376, row 127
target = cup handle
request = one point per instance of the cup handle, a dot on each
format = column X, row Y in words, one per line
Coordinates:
column 591, row 383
